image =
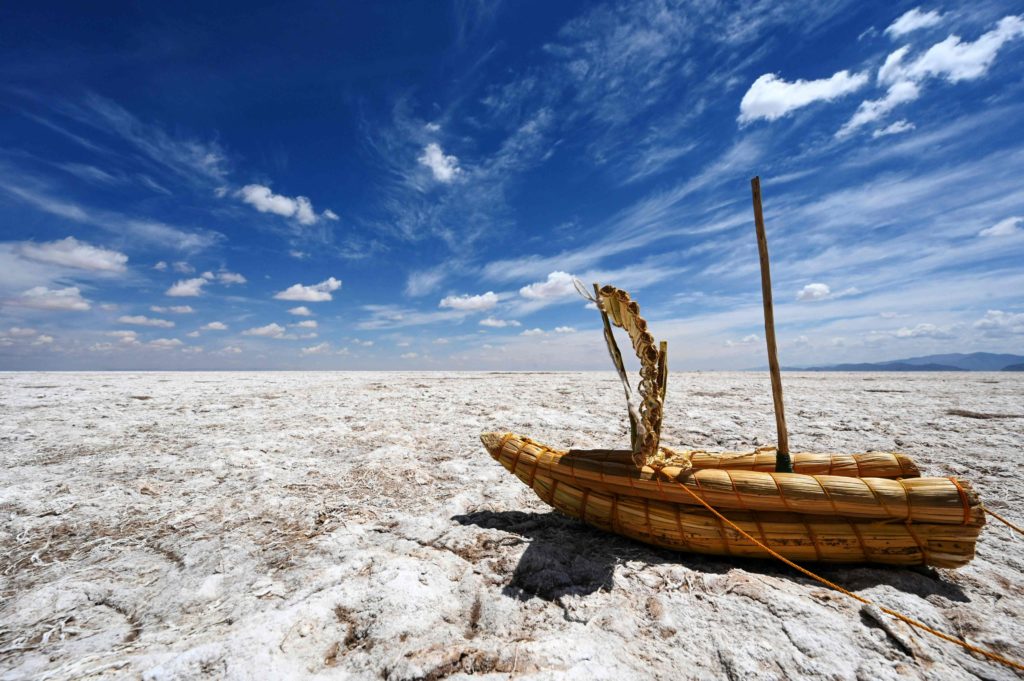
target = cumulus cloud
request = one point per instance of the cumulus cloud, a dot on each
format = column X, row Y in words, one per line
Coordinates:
column 264, row 200
column 771, row 98
column 1007, row 227
column 923, row 331
column 308, row 324
column 997, row 323
column 70, row 252
column 142, row 320
column 409, row 355
column 186, row 288
column 557, row 285
column 317, row 349
column 43, row 298
column 819, row 291
column 229, row 278
column 315, row 293
column 532, row 332
column 330, row 215
column 565, row 329
column 746, row 340
column 301, row 311
column 498, row 323
column 214, row 326
column 160, row 266
column 913, row 20
column 231, row 350
column 269, row 331
column 444, row 168
column 165, row 343
column 125, row 337
column 21, row 332
column 176, row 309
column 468, row 303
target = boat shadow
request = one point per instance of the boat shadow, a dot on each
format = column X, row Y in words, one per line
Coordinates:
column 566, row 557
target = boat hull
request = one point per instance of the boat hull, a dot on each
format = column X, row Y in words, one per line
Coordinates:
column 611, row 499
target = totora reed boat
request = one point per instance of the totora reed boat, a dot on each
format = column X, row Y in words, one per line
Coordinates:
column 870, row 507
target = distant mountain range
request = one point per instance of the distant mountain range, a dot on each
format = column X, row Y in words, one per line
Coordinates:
column 975, row 361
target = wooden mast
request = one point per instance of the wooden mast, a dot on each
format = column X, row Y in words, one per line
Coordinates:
column 783, row 464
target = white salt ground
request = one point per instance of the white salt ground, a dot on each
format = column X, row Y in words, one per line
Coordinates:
column 349, row 525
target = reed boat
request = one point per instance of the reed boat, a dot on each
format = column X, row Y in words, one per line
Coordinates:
column 870, row 507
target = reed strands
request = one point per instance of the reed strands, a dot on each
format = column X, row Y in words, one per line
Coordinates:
column 798, row 536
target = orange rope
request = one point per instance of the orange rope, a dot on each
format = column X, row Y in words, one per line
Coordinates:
column 1003, row 520
column 903, row 618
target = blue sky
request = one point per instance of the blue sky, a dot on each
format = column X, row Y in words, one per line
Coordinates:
column 414, row 185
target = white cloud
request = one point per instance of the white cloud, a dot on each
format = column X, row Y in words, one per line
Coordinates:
column 997, row 323
column 441, row 341
column 43, row 298
column 176, row 309
column 125, row 337
column 231, row 350
column 142, row 320
column 70, row 252
column 21, row 332
column 871, row 110
column 318, row 349
column 896, row 128
column 364, row 343
column 186, row 288
column 1007, row 227
column 165, row 343
column 183, row 267
column 565, row 329
column 498, row 323
column 43, row 340
column 226, row 277
column 214, row 326
column 307, row 324
column 193, row 334
column 423, row 282
column 952, row 59
column 444, row 168
column 468, row 303
column 301, row 311
column 533, row 332
column 315, row 293
column 771, row 98
column 746, row 340
column 409, row 355
column 330, row 214
column 923, row 331
column 814, row 292
column 913, row 20
column 557, row 285
column 266, row 201
column 269, row 331
column 160, row 266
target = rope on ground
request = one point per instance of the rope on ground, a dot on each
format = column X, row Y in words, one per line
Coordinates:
column 832, row 585
column 1004, row 521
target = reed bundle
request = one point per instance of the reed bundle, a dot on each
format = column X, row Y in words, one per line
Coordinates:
column 616, row 503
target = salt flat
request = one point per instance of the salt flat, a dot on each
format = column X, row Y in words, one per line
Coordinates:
column 350, row 525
